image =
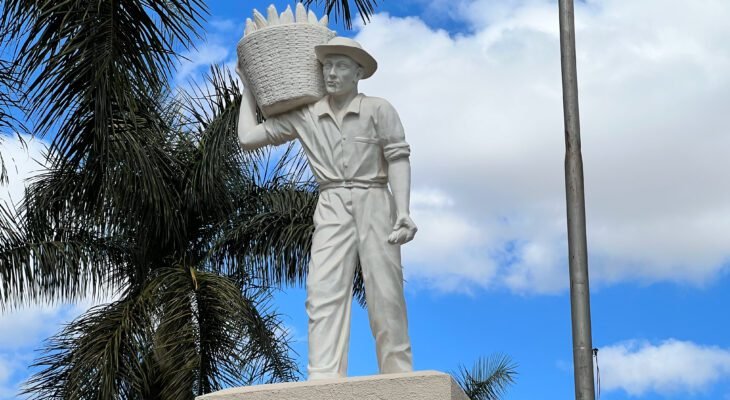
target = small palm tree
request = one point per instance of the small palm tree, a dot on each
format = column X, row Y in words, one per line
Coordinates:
column 488, row 378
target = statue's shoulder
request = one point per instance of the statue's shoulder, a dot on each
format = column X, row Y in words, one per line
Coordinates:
column 372, row 100
column 377, row 104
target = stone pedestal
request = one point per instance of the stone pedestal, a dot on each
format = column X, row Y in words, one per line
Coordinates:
column 422, row 385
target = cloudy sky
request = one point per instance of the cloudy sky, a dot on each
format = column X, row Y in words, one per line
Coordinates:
column 477, row 85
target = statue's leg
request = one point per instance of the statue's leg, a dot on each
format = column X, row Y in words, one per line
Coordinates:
column 329, row 284
column 383, row 277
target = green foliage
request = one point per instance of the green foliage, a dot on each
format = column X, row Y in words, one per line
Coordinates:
column 488, row 379
column 191, row 316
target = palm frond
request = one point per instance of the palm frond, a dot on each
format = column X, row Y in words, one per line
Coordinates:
column 11, row 108
column 262, row 354
column 54, row 265
column 488, row 379
column 212, row 335
column 185, row 333
column 90, row 56
column 129, row 189
column 98, row 355
column 261, row 198
column 341, row 9
column 214, row 163
column 97, row 71
column 270, row 238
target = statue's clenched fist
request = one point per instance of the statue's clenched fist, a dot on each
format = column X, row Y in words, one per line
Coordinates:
column 403, row 231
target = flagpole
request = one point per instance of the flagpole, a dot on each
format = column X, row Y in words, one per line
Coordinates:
column 577, row 248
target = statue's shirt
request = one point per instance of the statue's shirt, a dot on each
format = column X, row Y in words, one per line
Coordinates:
column 356, row 152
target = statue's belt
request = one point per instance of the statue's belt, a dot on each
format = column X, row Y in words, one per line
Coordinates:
column 351, row 185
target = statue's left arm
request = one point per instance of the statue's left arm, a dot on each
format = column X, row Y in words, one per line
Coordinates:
column 399, row 175
column 397, row 154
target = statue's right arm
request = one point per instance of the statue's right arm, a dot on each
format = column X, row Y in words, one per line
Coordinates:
column 251, row 134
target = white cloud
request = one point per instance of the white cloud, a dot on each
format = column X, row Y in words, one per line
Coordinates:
column 23, row 333
column 200, row 59
column 214, row 49
column 222, row 25
column 639, row 367
column 483, row 113
column 27, row 327
column 451, row 252
column 23, row 159
column 10, row 366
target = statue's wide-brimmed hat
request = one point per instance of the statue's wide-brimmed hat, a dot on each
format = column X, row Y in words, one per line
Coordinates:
column 348, row 47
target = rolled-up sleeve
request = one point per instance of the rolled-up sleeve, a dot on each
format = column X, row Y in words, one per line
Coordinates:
column 390, row 130
column 283, row 127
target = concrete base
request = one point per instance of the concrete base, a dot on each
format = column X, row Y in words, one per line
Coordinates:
column 422, row 385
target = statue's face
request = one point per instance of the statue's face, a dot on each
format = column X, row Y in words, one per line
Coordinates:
column 341, row 74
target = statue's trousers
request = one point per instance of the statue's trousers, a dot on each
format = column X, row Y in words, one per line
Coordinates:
column 352, row 223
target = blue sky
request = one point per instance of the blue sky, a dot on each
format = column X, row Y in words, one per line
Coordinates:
column 477, row 84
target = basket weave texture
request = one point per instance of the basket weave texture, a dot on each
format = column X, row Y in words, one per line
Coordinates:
column 281, row 67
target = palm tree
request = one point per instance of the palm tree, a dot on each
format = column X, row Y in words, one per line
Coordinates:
column 191, row 316
column 488, row 378
column 148, row 195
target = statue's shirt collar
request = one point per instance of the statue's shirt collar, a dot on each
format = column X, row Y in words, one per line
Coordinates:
column 322, row 106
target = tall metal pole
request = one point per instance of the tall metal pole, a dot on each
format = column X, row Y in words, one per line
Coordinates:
column 577, row 249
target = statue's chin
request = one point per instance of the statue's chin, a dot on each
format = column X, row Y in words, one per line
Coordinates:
column 337, row 91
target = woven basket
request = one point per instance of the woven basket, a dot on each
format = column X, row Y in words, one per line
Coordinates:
column 281, row 67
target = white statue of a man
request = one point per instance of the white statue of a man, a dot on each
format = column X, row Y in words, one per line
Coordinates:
column 356, row 147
